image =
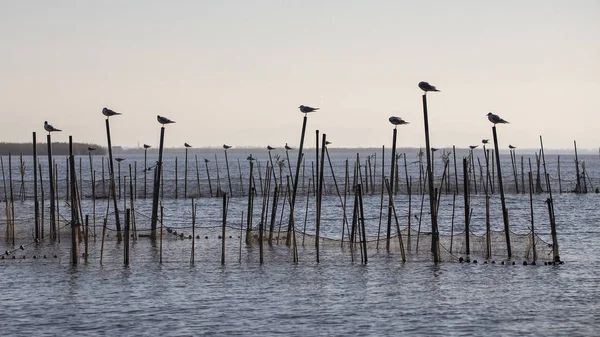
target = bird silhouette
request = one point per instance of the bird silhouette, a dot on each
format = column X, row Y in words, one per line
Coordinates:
column 164, row 120
column 108, row 112
column 269, row 147
column 206, row 160
column 485, row 141
column 433, row 149
column 287, row 147
column 186, row 145
column 225, row 146
column 427, row 87
column 512, row 147
column 307, row 109
column 119, row 159
column 397, row 121
column 496, row 119
column 50, row 128
column 146, row 146
column 91, row 148
column 473, row 146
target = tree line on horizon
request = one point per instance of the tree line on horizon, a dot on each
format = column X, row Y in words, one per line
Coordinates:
column 58, row 148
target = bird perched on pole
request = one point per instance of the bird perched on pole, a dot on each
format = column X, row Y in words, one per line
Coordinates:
column 473, row 146
column 397, row 121
column 50, row 128
column 287, row 148
column 164, row 120
column 186, row 145
column 485, row 141
column 496, row 119
column 225, row 146
column 427, row 87
column 119, row 159
column 269, row 147
column 146, row 146
column 108, row 112
column 512, row 147
column 91, row 149
column 307, row 109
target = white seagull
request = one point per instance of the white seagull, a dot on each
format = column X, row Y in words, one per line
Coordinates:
column 307, row 109
column 108, row 112
column 163, row 120
column 50, row 128
column 496, row 119
column 397, row 121
column 427, row 87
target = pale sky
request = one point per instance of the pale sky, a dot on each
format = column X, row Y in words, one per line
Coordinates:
column 235, row 72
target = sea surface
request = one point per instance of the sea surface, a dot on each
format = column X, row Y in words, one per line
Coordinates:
column 162, row 291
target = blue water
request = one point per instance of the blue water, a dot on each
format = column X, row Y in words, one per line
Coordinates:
column 338, row 296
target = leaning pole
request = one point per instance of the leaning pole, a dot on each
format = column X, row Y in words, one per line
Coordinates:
column 156, row 188
column 502, row 200
column 111, row 172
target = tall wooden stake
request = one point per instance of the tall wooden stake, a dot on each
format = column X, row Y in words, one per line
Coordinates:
column 501, row 187
column 156, row 189
column 111, row 172
column 432, row 203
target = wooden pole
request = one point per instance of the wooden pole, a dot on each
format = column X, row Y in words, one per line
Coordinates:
column 185, row 174
column 501, row 187
column 295, row 184
column 52, row 190
column 228, row 174
column 578, row 186
column 145, row 171
column 533, row 238
column 432, row 202
column 467, row 205
column 250, row 204
column 86, row 237
column 559, row 179
column 208, row 176
column 176, row 179
column 111, row 172
column 126, row 242
column 223, row 229
column 320, row 194
column 390, row 200
column 156, row 189
column 74, row 218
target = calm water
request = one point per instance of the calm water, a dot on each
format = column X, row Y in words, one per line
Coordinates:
column 338, row 296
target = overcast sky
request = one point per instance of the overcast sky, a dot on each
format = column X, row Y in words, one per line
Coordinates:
column 235, row 72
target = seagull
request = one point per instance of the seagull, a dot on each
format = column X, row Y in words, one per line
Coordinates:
column 50, row 128
column 163, row 120
column 433, row 149
column 307, row 109
column 287, row 147
column 91, row 148
column 512, row 147
column 119, row 159
column 485, row 141
column 473, row 146
column 225, row 146
column 206, row 160
column 186, row 145
column 146, row 146
column 397, row 121
column 496, row 119
column 108, row 112
column 269, row 147
column 427, row 87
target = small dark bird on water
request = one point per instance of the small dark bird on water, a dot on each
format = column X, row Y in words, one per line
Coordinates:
column 485, row 141
column 269, row 147
column 287, row 147
column 307, row 109
column 186, row 145
column 427, row 87
column 91, row 148
column 397, row 121
column 496, row 119
column 225, row 146
column 164, row 120
column 108, row 112
column 50, row 128
column 146, row 146
column 512, row 147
